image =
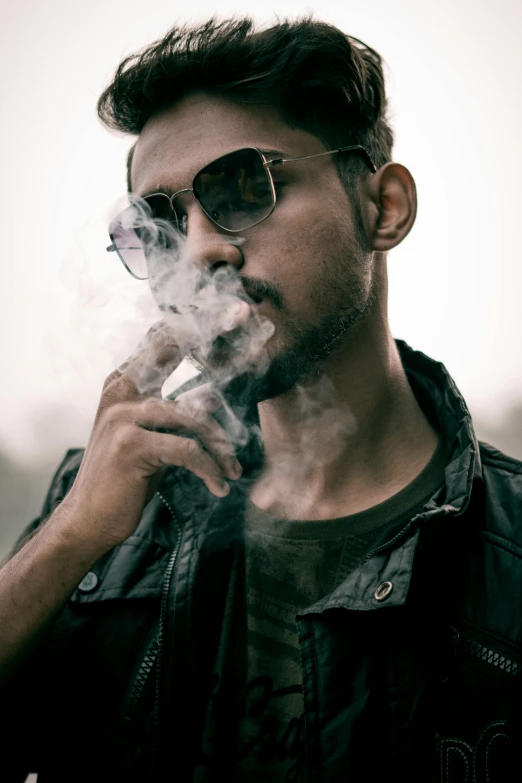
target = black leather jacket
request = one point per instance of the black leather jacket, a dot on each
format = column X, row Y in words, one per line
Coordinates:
column 422, row 685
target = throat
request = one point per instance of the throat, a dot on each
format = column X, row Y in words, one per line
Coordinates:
column 283, row 503
column 335, row 448
column 340, row 490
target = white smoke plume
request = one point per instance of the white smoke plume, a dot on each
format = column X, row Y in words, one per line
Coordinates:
column 199, row 304
column 202, row 307
column 326, row 426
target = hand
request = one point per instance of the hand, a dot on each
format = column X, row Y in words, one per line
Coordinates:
column 137, row 435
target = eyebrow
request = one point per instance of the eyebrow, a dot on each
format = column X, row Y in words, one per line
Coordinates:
column 167, row 189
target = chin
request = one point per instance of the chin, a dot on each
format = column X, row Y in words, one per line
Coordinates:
column 251, row 387
column 247, row 378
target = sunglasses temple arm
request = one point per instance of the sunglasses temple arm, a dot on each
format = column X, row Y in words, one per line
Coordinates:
column 357, row 147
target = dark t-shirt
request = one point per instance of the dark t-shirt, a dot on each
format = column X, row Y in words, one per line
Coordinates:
column 254, row 728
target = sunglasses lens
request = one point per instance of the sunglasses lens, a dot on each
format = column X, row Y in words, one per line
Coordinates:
column 138, row 230
column 128, row 245
column 235, row 191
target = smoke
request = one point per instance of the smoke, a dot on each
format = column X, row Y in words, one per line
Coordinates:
column 109, row 312
column 326, row 423
column 220, row 331
column 217, row 325
column 215, row 321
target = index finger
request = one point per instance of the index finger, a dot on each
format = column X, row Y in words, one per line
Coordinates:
column 149, row 366
column 203, row 398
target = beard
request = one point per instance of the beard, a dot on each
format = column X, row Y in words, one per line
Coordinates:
column 340, row 304
column 299, row 364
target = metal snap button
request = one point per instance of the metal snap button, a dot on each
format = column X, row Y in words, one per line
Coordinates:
column 89, row 582
column 383, row 591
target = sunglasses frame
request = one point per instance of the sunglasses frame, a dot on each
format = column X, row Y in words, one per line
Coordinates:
column 266, row 163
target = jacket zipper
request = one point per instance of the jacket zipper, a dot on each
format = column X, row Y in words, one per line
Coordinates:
column 156, row 652
column 154, row 648
column 142, row 677
column 484, row 653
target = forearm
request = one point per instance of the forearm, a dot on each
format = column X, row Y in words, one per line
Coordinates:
column 36, row 584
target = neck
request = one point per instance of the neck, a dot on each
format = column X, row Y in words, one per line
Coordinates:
column 348, row 440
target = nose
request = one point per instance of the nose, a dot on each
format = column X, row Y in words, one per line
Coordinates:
column 208, row 244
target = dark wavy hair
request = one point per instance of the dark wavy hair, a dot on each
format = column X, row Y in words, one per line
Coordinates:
column 321, row 81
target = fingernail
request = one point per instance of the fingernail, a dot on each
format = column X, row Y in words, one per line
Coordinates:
column 225, row 488
column 238, row 467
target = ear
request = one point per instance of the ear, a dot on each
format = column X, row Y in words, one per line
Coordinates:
column 393, row 195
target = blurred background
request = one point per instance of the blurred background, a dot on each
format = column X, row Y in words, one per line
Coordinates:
column 69, row 312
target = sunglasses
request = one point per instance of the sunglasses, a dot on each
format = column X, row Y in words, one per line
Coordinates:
column 235, row 192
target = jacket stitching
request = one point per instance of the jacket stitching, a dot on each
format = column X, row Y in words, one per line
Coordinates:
column 502, row 543
column 445, row 748
column 409, row 553
column 463, row 755
column 493, row 738
column 370, row 604
column 506, row 464
column 477, row 745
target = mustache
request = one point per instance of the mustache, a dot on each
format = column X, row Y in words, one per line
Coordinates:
column 263, row 290
column 257, row 289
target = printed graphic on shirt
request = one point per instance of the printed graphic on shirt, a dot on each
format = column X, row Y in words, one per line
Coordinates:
column 264, row 739
column 255, row 728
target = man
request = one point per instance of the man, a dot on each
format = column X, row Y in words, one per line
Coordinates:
column 344, row 603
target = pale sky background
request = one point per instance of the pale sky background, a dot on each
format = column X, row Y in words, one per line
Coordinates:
column 70, row 313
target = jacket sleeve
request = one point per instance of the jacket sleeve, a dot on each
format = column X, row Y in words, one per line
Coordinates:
column 61, row 483
column 21, row 708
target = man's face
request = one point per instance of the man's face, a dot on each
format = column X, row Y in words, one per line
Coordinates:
column 309, row 258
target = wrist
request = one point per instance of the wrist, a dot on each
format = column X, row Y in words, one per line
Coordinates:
column 73, row 532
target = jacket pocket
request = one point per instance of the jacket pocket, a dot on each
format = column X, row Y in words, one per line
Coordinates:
column 477, row 723
column 487, row 655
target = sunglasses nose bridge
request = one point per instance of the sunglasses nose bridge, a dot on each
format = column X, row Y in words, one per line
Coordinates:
column 184, row 219
column 204, row 211
column 179, row 193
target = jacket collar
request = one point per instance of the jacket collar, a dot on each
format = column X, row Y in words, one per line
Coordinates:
column 444, row 406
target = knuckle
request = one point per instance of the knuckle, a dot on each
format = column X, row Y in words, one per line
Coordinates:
column 115, row 415
column 205, row 428
column 125, row 384
column 113, row 376
column 115, row 389
column 193, row 450
column 185, row 409
column 221, row 445
column 108, row 382
column 202, row 420
column 123, row 440
column 187, row 418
